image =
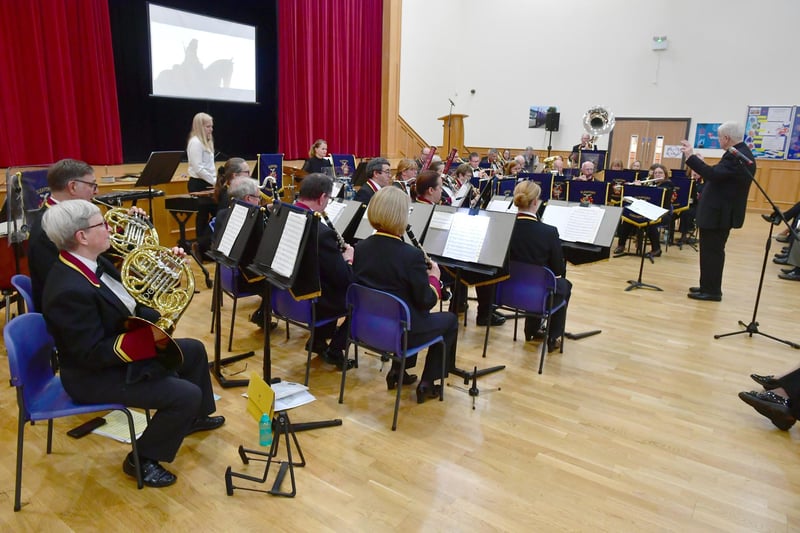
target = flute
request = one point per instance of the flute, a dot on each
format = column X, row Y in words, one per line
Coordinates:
column 339, row 239
column 416, row 243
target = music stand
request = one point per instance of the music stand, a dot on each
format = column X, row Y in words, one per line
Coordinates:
column 346, row 216
column 227, row 248
column 644, row 211
column 160, row 168
column 440, row 240
column 288, row 258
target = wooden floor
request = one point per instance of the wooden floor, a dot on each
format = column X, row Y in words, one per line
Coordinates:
column 636, row 429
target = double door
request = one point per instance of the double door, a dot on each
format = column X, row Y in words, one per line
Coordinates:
column 648, row 140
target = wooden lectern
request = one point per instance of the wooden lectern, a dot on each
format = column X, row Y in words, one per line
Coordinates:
column 453, row 133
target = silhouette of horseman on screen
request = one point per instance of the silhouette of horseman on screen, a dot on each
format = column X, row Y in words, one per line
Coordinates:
column 190, row 77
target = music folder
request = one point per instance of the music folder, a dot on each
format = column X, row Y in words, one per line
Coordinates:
column 230, row 242
column 418, row 216
column 559, row 214
column 345, row 215
column 160, row 168
column 477, row 242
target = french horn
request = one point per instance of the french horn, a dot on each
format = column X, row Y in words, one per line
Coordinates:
column 128, row 232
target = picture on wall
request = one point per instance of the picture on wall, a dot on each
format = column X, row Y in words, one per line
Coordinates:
column 706, row 135
column 538, row 116
column 767, row 130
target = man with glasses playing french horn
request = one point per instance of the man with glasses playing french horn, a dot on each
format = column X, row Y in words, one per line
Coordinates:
column 108, row 354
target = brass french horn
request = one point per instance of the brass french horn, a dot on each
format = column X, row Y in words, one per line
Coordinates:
column 128, row 232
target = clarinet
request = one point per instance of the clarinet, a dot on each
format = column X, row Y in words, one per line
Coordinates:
column 445, row 292
column 339, row 239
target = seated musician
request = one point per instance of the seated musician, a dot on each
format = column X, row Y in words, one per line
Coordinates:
column 68, row 179
column 424, row 153
column 335, row 273
column 558, row 166
column 511, row 169
column 660, row 178
column 378, row 176
column 428, row 187
column 405, row 174
column 617, row 165
column 383, row 261
column 537, row 243
column 530, row 159
column 491, row 162
column 317, row 154
column 245, row 190
column 587, row 172
column 474, row 163
column 103, row 361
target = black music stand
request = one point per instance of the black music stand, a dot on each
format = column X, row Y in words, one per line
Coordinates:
column 490, row 261
column 227, row 249
column 752, row 327
column 643, row 208
column 160, row 168
column 288, row 267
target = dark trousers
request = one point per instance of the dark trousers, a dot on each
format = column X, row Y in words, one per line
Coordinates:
column 559, row 319
column 791, row 384
column 625, row 230
column 177, row 398
column 712, row 258
column 435, row 324
column 206, row 210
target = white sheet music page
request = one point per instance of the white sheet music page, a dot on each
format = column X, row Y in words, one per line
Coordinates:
column 575, row 224
column 232, row 229
column 645, row 208
column 462, row 194
column 286, row 254
column 465, row 240
column 334, row 210
column 500, row 204
column 441, row 220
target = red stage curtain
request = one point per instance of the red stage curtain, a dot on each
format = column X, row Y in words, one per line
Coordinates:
column 329, row 66
column 59, row 96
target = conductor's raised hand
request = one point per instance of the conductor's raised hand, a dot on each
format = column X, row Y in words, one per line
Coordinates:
column 686, row 148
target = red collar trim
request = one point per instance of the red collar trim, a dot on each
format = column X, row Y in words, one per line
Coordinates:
column 50, row 201
column 77, row 265
column 372, row 185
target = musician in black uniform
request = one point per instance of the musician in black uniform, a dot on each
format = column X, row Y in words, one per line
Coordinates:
column 723, row 207
column 537, row 243
column 384, row 262
column 103, row 361
column 660, row 178
column 378, row 176
column 336, row 273
column 317, row 154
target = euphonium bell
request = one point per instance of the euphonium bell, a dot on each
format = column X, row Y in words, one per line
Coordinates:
column 598, row 121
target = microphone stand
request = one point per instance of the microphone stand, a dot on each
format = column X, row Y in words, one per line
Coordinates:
column 752, row 327
column 450, row 123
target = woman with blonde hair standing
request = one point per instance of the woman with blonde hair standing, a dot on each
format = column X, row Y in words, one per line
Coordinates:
column 202, row 172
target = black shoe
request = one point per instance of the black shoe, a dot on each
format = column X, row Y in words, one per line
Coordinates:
column 426, row 390
column 793, row 275
column 553, row 345
column 391, row 379
column 768, row 382
column 787, row 270
column 257, row 317
column 336, row 357
column 695, row 289
column 773, row 219
column 781, row 255
column 653, row 254
column 205, row 423
column 539, row 335
column 769, row 404
column 153, row 474
column 319, row 348
column 705, row 296
column 782, row 260
column 782, row 238
column 619, row 250
column 496, row 320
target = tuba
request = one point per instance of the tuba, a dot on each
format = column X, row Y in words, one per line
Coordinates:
column 128, row 232
column 598, row 121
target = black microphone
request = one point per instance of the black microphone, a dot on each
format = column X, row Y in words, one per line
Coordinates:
column 451, row 102
column 740, row 156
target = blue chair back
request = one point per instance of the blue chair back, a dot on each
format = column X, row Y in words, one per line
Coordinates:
column 528, row 287
column 30, row 348
column 22, row 283
column 378, row 319
column 595, row 192
column 681, row 193
column 284, row 304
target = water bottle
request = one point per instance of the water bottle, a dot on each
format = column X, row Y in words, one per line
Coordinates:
column 349, row 193
column 265, row 430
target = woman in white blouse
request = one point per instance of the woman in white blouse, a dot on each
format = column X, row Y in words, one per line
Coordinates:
column 202, row 173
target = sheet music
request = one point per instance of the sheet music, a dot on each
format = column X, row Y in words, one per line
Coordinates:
column 441, row 220
column 575, row 224
column 116, row 426
column 337, row 188
column 461, row 194
column 499, row 204
column 466, row 237
column 286, row 254
column 334, row 210
column 236, row 220
column 645, row 208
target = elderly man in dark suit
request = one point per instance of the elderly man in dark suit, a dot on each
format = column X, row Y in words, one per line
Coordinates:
column 379, row 175
column 721, row 208
column 103, row 360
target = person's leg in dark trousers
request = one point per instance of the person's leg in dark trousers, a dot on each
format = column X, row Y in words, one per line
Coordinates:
column 435, row 324
column 712, row 259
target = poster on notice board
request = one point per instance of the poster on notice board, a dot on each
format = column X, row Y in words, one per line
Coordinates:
column 767, row 130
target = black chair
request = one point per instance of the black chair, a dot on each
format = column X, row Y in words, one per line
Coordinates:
column 40, row 394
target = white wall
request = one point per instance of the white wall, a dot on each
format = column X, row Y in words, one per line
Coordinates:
column 723, row 56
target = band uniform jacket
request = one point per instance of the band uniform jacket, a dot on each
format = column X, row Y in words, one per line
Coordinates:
column 725, row 190
column 537, row 243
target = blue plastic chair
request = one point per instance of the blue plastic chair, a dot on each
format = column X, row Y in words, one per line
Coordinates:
column 301, row 313
column 528, row 292
column 22, row 283
column 380, row 322
column 229, row 277
column 40, row 394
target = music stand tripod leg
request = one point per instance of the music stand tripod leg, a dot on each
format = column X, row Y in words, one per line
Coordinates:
column 637, row 284
column 219, row 361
